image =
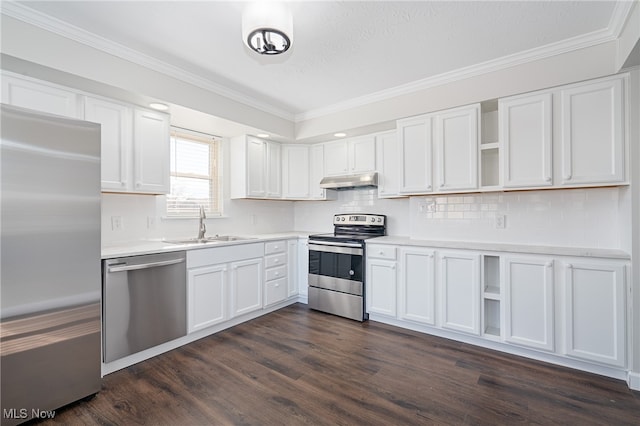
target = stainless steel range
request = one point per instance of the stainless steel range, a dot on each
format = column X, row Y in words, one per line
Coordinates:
column 336, row 265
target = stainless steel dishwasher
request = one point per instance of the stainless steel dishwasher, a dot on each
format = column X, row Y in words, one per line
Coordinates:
column 144, row 302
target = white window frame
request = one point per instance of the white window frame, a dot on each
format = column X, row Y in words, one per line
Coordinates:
column 214, row 207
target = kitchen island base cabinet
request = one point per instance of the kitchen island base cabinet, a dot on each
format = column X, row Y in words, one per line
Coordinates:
column 595, row 312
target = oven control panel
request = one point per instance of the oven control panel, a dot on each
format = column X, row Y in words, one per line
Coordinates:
column 359, row 219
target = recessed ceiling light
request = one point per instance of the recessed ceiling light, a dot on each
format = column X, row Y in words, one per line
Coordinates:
column 158, row 106
column 340, row 135
column 263, row 135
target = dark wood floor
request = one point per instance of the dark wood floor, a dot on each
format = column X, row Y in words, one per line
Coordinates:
column 297, row 366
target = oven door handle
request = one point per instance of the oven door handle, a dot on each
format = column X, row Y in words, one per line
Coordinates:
column 354, row 249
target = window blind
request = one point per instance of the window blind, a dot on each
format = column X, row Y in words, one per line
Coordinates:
column 194, row 174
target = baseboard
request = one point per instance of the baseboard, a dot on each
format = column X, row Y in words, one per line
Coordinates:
column 633, row 380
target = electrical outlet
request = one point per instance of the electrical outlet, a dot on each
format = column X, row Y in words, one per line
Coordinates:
column 427, row 206
column 501, row 221
column 116, row 223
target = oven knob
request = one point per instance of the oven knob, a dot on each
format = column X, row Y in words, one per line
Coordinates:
column 379, row 219
column 342, row 219
column 351, row 272
column 373, row 219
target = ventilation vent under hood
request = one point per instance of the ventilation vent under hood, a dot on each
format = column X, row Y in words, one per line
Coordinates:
column 363, row 180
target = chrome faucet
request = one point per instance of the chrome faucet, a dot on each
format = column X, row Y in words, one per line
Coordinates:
column 202, row 229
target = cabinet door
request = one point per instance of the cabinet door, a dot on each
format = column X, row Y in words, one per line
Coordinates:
column 246, row 286
column 529, row 302
column 41, row 97
column 387, row 164
column 460, row 284
column 256, row 168
column 595, row 312
column 151, row 152
column 457, row 149
column 526, row 135
column 292, row 267
column 381, row 287
column 362, row 154
column 417, row 285
column 295, row 171
column 316, row 172
column 274, row 170
column 207, row 296
column 415, row 139
column 116, row 131
column 593, row 133
column 336, row 158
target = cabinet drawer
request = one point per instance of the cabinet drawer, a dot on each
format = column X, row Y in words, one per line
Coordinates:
column 275, row 273
column 381, row 252
column 275, row 247
column 275, row 260
column 275, row 291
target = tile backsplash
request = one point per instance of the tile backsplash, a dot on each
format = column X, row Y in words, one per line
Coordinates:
column 592, row 217
column 570, row 217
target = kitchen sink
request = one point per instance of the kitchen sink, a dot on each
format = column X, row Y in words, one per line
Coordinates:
column 208, row 240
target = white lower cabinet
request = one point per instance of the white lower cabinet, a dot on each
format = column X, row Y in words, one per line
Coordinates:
column 246, row 286
column 528, row 286
column 460, row 288
column 381, row 281
column 276, row 272
column 595, row 312
column 416, row 289
column 207, row 296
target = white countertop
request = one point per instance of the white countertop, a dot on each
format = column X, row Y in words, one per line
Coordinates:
column 142, row 247
column 505, row 247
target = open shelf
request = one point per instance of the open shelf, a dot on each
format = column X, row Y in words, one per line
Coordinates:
column 489, row 145
column 492, row 317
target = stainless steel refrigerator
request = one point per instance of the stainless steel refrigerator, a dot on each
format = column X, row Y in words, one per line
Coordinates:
column 50, row 277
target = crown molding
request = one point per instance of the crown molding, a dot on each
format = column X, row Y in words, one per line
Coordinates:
column 612, row 32
column 56, row 26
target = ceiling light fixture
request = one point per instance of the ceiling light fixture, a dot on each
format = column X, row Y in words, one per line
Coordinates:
column 263, row 135
column 158, row 106
column 267, row 27
column 340, row 135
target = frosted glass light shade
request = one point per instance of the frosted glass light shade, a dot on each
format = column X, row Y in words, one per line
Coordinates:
column 267, row 27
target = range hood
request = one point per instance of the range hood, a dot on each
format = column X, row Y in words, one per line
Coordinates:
column 362, row 180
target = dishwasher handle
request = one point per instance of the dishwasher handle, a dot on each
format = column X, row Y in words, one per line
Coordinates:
column 117, row 268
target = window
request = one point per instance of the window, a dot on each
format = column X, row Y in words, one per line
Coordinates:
column 194, row 174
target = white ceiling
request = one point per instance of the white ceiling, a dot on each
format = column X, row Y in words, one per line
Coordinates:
column 341, row 50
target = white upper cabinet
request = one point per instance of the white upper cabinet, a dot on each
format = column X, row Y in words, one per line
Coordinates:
column 316, row 172
column 415, row 146
column 256, row 169
column 593, row 132
column 595, row 312
column 295, row 171
column 387, row 164
column 457, row 149
column 274, row 170
column 40, row 96
column 526, row 134
column 116, row 133
column 529, row 302
column 350, row 156
column 151, row 152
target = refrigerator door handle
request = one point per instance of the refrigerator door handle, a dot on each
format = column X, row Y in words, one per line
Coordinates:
column 145, row 265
